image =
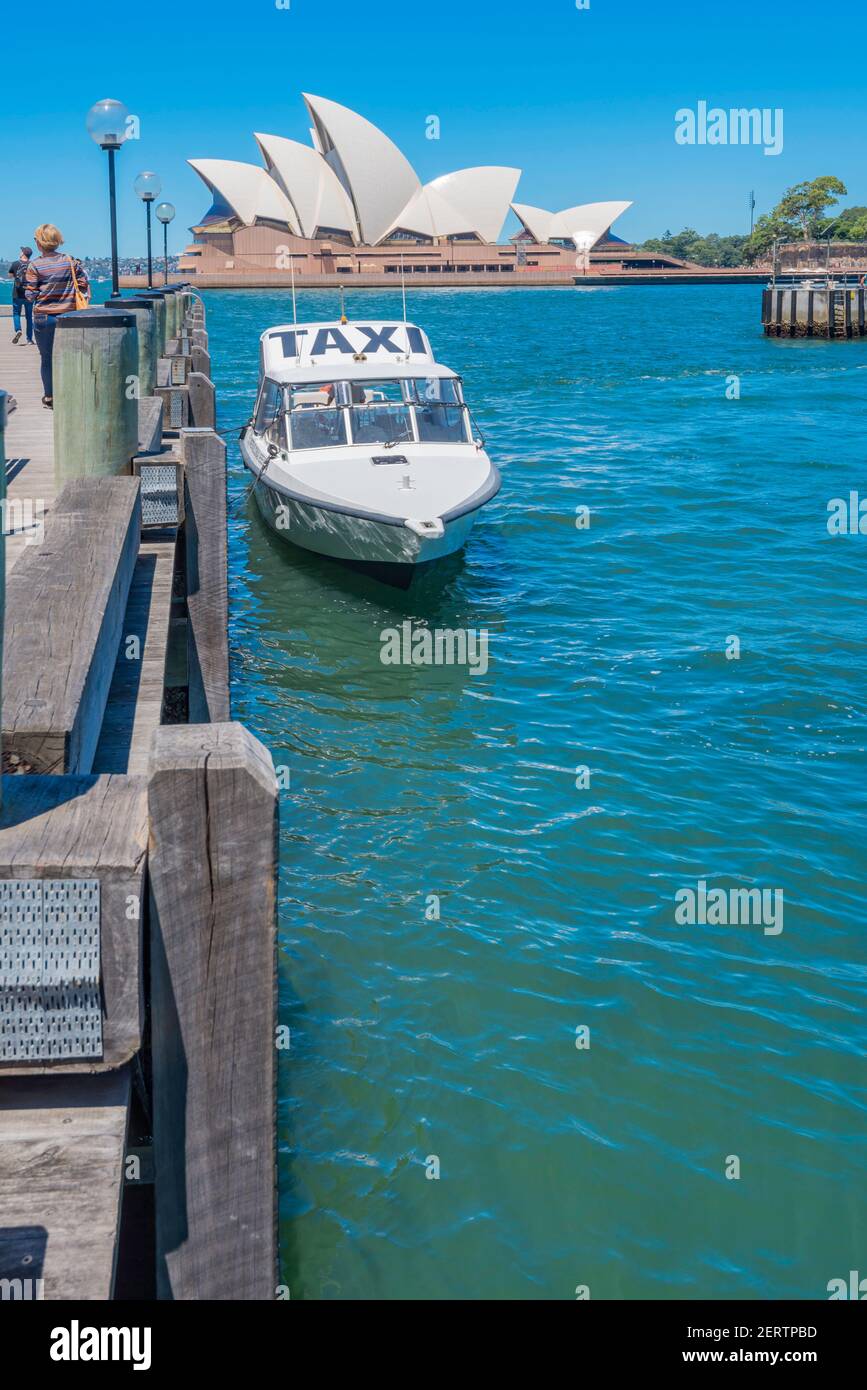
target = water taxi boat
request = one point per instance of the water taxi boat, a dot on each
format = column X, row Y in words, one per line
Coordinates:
column 361, row 446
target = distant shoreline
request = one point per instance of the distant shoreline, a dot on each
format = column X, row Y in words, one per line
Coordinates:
column 708, row 276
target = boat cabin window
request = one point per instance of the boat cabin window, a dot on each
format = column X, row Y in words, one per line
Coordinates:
column 268, row 408
column 439, row 412
column 380, row 411
column 326, row 414
column 316, row 419
column 269, row 419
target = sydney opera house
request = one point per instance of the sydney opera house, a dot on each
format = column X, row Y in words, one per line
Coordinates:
column 350, row 204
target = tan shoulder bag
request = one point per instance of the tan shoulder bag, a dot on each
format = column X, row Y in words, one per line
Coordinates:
column 82, row 300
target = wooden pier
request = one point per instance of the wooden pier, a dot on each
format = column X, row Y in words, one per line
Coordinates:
column 137, row 837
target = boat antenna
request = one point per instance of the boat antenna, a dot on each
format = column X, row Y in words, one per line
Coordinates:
column 343, row 318
column 403, row 286
column 294, row 309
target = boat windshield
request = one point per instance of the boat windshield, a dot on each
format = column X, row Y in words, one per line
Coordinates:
column 380, row 412
column 390, row 411
column 316, row 419
column 439, row 414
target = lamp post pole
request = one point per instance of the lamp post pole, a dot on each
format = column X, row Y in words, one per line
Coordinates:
column 165, row 213
column 107, row 127
column 147, row 186
column 150, row 261
column 112, row 203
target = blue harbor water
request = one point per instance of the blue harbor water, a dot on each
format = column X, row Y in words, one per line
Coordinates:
column 740, row 763
column 611, row 648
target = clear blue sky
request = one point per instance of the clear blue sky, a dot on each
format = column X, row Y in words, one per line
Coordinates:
column 582, row 101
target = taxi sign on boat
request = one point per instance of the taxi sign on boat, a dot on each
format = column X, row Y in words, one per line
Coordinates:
column 291, row 346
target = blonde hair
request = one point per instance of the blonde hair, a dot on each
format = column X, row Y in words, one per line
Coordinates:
column 47, row 237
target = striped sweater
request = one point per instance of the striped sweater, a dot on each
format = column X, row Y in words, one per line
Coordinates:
column 49, row 285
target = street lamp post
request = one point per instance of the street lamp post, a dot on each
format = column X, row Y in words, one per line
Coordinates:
column 165, row 213
column 147, row 186
column 106, row 125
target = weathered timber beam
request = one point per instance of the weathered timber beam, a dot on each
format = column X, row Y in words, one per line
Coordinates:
column 213, row 857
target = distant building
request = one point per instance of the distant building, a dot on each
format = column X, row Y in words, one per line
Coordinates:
column 350, row 204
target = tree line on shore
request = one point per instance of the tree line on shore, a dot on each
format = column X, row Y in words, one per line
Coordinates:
column 800, row 215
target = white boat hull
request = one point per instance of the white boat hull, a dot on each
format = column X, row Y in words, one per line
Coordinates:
column 344, row 536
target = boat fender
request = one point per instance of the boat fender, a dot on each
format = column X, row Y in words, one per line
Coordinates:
column 428, row 530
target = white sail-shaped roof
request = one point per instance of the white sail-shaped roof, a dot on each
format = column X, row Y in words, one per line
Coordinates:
column 249, row 191
column 536, row 221
column 311, row 185
column 469, row 200
column 589, row 220
column 481, row 196
column 584, row 224
column 377, row 177
column 428, row 214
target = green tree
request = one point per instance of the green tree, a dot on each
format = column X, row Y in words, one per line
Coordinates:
column 690, row 245
column 851, row 225
column 805, row 203
column 770, row 227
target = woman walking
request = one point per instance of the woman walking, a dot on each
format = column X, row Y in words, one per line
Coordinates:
column 54, row 284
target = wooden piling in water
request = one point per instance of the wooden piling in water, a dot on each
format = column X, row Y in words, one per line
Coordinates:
column 95, row 403
column 213, row 806
column 171, row 302
column 159, row 302
column 144, row 314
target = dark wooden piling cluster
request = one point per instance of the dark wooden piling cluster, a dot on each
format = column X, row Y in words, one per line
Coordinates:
column 137, row 849
column 814, row 310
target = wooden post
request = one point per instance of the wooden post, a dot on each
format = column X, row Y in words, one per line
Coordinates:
column 203, row 454
column 170, row 300
column 200, row 360
column 144, row 314
column 212, row 864
column 95, row 407
column 202, row 401
column 177, row 296
column 159, row 303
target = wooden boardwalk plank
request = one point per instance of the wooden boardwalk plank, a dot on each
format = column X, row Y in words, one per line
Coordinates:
column 65, row 606
column 62, row 1143
column 29, row 443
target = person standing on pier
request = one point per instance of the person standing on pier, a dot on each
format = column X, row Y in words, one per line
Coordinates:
column 55, row 285
column 18, row 271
